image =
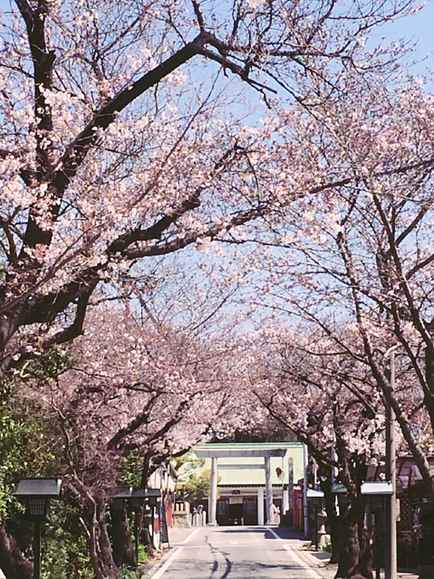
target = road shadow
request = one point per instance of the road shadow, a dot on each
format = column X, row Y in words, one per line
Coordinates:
column 255, row 569
column 281, row 532
column 237, row 530
column 285, row 533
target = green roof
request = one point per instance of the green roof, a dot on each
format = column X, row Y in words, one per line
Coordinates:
column 249, row 445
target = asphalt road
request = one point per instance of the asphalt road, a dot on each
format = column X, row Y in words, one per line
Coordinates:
column 234, row 553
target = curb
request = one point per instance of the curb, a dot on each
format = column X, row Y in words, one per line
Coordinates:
column 329, row 571
column 322, row 567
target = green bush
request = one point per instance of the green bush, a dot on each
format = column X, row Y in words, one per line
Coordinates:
column 64, row 546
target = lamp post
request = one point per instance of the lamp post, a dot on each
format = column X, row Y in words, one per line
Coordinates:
column 135, row 499
column 35, row 494
column 391, row 565
column 380, row 493
column 122, row 496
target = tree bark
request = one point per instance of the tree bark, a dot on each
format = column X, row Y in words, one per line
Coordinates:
column 100, row 550
column 335, row 534
column 123, row 548
column 355, row 553
column 429, row 376
column 349, row 556
column 12, row 562
column 330, row 508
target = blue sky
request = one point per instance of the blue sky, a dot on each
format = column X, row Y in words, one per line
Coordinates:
column 418, row 28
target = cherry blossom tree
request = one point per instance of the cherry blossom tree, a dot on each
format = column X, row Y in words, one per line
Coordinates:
column 114, row 150
column 128, row 390
column 117, row 147
column 328, row 399
column 362, row 256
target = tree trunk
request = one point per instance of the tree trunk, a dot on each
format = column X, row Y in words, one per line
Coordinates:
column 355, row 553
column 349, row 549
column 100, row 550
column 429, row 376
column 12, row 562
column 366, row 551
column 123, row 548
column 8, row 327
column 426, row 546
column 332, row 517
column 335, row 537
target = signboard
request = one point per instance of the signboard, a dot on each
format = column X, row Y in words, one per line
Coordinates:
column 235, row 500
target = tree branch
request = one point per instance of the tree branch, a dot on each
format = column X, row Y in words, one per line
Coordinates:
column 76, row 328
column 78, row 149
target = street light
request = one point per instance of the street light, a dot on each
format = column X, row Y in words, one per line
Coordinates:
column 378, row 494
column 122, row 496
column 35, row 494
column 391, row 565
column 135, row 499
column 377, row 488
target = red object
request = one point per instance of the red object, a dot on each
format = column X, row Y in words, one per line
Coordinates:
column 168, row 505
column 297, row 508
column 156, row 523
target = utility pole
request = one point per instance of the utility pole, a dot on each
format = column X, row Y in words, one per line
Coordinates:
column 391, row 568
column 305, row 509
column 212, row 501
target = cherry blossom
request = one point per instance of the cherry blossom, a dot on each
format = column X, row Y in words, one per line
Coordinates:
column 113, row 150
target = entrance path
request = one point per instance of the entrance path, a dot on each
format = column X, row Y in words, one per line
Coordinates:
column 237, row 553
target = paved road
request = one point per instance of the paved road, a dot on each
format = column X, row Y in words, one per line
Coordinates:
column 235, row 553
